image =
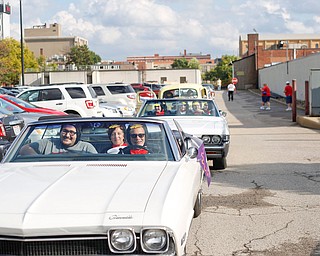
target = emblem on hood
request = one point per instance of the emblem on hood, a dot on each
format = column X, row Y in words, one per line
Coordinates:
column 119, row 217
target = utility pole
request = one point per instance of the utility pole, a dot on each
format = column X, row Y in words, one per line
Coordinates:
column 21, row 45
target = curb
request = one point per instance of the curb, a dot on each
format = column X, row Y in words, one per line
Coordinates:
column 309, row 122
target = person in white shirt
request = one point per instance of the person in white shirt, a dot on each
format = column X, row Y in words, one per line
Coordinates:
column 231, row 89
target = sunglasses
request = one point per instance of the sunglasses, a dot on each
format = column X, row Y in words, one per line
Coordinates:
column 134, row 136
column 65, row 131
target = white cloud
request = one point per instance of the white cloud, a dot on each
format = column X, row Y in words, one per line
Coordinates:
column 297, row 27
column 116, row 29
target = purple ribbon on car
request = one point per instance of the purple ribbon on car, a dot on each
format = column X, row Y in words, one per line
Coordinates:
column 202, row 158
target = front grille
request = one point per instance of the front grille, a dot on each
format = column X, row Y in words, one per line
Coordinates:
column 66, row 246
column 52, row 247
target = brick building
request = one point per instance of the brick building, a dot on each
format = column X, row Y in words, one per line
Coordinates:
column 257, row 52
column 273, row 49
column 164, row 62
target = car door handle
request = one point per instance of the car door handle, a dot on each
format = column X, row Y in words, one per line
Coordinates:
column 59, row 104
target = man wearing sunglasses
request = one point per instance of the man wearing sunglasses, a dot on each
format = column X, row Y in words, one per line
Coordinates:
column 68, row 142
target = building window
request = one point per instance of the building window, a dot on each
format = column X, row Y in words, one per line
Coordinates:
column 163, row 79
column 183, row 79
column 317, row 45
column 41, row 51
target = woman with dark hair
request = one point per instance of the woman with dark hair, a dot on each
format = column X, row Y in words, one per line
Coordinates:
column 137, row 135
column 116, row 133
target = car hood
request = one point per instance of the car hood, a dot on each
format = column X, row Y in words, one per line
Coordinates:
column 69, row 196
column 200, row 125
column 29, row 117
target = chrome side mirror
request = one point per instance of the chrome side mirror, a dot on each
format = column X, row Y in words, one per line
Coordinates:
column 223, row 113
column 192, row 152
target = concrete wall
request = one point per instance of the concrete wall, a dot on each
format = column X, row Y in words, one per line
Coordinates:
column 245, row 71
column 130, row 76
column 299, row 69
column 105, row 76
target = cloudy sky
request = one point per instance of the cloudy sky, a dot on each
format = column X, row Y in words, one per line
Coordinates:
column 117, row 29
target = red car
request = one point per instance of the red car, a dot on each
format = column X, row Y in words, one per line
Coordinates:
column 145, row 92
column 28, row 107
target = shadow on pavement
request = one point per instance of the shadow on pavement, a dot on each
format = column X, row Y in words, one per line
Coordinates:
column 250, row 104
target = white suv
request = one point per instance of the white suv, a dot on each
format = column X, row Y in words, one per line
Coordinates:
column 120, row 95
column 76, row 99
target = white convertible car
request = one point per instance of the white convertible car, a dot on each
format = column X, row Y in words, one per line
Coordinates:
column 61, row 193
column 199, row 117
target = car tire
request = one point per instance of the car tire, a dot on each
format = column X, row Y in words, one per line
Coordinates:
column 198, row 205
column 219, row 163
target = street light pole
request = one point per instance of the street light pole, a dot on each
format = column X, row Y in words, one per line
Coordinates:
column 21, row 45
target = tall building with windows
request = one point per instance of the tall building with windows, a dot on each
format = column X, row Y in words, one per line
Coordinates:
column 47, row 41
column 5, row 11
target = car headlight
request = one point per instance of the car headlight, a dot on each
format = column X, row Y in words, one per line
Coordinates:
column 216, row 139
column 211, row 139
column 206, row 139
column 122, row 240
column 154, row 240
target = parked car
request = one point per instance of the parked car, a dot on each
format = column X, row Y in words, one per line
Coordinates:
column 144, row 91
column 28, row 107
column 80, row 203
column 10, row 127
column 207, row 123
column 117, row 94
column 184, row 90
column 154, row 87
column 14, row 90
column 211, row 90
column 76, row 99
column 6, row 91
column 12, row 120
column 112, row 110
column 9, row 109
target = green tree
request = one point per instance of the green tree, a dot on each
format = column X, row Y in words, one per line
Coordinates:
column 194, row 64
column 10, row 60
column 222, row 70
column 82, row 56
column 180, row 63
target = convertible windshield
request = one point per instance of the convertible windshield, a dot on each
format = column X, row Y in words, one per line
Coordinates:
column 186, row 107
column 92, row 141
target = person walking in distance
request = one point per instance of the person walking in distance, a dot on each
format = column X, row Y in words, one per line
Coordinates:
column 265, row 95
column 231, row 89
column 288, row 92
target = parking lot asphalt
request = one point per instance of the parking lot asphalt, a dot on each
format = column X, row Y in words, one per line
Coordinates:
column 303, row 120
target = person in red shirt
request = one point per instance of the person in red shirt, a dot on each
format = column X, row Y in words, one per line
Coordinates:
column 288, row 92
column 137, row 135
column 158, row 110
column 265, row 95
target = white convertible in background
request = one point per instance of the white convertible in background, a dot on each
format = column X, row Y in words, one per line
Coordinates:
column 61, row 193
column 199, row 117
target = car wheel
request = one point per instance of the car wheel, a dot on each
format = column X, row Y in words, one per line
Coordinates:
column 219, row 163
column 198, row 205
